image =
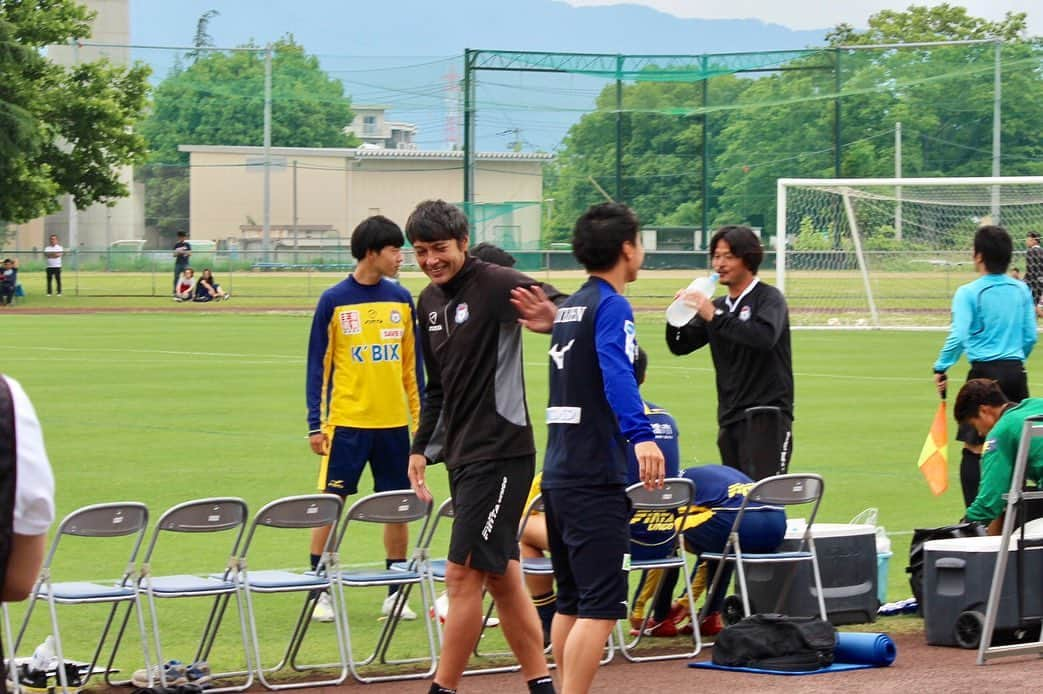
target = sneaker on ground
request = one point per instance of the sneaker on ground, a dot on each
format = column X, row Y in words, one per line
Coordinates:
column 711, row 624
column 404, row 612
column 323, row 610
column 199, row 674
column 663, row 629
column 441, row 610
column 173, row 672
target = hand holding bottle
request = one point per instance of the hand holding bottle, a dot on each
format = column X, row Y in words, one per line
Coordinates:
column 681, row 311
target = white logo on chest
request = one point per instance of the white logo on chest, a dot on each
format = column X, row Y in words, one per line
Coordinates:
column 558, row 354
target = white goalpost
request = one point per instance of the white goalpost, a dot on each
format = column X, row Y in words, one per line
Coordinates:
column 883, row 252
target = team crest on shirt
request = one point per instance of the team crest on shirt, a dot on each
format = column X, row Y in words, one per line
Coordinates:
column 395, row 316
column 350, row 323
column 744, row 313
column 990, row 444
column 462, row 314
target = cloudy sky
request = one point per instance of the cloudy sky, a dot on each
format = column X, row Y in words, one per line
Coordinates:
column 816, row 14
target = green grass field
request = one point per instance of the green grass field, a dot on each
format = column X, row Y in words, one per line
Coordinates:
column 166, row 407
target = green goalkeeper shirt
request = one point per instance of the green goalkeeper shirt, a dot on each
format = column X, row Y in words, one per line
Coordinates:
column 997, row 461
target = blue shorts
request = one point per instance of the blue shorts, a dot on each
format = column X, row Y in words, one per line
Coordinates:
column 589, row 541
column 387, row 451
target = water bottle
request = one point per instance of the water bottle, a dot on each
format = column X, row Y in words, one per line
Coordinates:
column 44, row 656
column 679, row 312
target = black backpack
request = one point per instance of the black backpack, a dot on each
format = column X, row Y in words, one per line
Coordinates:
column 777, row 642
column 922, row 536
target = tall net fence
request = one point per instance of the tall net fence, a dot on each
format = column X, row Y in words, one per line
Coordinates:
column 691, row 142
column 886, row 252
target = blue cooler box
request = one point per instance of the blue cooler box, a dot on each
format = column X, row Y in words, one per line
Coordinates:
column 957, row 577
column 848, row 563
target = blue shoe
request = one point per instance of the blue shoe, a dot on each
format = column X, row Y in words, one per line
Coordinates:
column 199, row 674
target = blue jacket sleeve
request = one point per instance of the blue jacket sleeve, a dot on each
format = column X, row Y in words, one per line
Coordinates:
column 616, row 342
column 1029, row 336
column 318, row 343
column 962, row 313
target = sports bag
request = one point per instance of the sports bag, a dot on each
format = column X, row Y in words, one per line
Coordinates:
column 777, row 642
column 922, row 536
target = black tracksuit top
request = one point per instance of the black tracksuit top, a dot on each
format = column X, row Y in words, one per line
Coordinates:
column 750, row 346
column 474, row 405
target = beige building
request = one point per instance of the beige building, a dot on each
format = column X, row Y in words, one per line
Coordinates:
column 99, row 225
column 374, row 129
column 325, row 193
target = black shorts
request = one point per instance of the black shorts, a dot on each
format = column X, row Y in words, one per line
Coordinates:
column 588, row 535
column 488, row 500
column 1013, row 381
column 760, row 444
column 387, row 451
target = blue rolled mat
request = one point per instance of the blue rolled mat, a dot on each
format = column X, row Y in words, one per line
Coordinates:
column 865, row 649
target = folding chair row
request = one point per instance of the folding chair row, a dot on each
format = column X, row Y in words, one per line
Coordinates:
column 130, row 520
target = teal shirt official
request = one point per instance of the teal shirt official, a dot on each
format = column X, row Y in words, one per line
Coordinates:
column 993, row 319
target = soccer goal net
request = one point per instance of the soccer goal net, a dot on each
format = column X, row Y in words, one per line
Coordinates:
column 891, row 252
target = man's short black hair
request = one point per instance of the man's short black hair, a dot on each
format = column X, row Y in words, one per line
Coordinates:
column 182, row 234
column 375, row 234
column 599, row 235
column 492, row 254
column 640, row 365
column 437, row 220
column 1034, row 235
column 975, row 393
column 995, row 247
column 743, row 243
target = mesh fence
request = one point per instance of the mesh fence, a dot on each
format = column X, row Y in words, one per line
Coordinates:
column 882, row 254
column 691, row 142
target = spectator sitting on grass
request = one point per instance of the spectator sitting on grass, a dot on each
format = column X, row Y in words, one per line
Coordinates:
column 8, row 280
column 207, row 289
column 185, row 288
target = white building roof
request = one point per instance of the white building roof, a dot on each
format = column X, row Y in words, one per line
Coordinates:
column 358, row 153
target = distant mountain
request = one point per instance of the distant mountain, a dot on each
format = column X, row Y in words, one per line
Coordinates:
column 422, row 27
column 341, row 33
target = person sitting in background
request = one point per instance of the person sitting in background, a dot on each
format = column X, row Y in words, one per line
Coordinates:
column 185, row 288
column 719, row 492
column 207, row 288
column 8, row 281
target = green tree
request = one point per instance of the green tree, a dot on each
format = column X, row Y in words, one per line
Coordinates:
column 662, row 154
column 219, row 100
column 62, row 129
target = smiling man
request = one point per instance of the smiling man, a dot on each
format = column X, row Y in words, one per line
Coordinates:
column 474, row 417
column 748, row 333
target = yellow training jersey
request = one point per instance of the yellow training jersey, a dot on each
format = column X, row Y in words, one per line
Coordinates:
column 364, row 369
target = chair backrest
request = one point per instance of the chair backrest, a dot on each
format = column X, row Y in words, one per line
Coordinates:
column 302, row 511
column 675, row 494
column 117, row 519
column 212, row 515
column 786, row 490
column 675, row 498
column 105, row 520
column 397, row 506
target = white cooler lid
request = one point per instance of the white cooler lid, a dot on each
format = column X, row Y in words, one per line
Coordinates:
column 989, row 543
column 794, row 531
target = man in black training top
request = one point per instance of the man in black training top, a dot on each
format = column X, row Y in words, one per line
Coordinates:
column 474, row 417
column 1034, row 266
column 748, row 333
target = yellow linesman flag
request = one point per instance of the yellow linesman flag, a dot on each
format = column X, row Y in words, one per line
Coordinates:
column 934, row 458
